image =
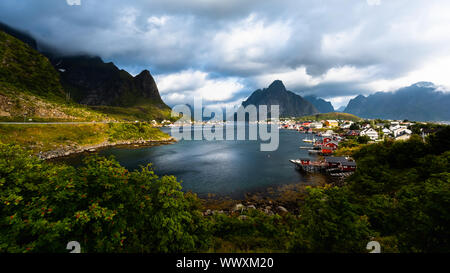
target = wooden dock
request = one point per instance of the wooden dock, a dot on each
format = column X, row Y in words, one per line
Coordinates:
column 308, row 166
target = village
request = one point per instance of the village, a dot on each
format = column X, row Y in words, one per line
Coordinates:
column 326, row 135
column 397, row 130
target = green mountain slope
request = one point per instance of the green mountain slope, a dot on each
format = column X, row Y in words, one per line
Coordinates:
column 24, row 68
column 71, row 88
column 30, row 87
column 332, row 116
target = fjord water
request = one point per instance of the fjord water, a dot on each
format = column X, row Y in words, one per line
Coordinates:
column 222, row 167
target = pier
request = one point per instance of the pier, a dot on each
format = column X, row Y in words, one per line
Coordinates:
column 333, row 166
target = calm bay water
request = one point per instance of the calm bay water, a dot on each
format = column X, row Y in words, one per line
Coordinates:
column 225, row 168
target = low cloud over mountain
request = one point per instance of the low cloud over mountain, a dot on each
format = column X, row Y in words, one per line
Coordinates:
column 334, row 50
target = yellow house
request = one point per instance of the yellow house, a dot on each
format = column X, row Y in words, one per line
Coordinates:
column 331, row 123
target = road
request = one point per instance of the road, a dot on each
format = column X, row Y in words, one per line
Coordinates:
column 61, row 123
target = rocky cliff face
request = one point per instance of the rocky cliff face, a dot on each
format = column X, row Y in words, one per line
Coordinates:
column 90, row 81
column 291, row 104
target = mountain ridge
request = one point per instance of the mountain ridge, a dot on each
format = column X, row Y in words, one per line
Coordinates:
column 322, row 105
column 291, row 104
column 86, row 80
column 421, row 101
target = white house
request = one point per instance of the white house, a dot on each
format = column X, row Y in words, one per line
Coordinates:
column 401, row 131
column 347, row 125
column 371, row 133
column 396, row 127
column 317, row 125
column 386, row 131
column 403, row 137
column 328, row 133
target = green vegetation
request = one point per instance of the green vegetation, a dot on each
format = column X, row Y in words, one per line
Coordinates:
column 30, row 88
column 143, row 112
column 19, row 106
column 134, row 131
column 47, row 137
column 399, row 196
column 330, row 116
column 99, row 204
column 28, row 70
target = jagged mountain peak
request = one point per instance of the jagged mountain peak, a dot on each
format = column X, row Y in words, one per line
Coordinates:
column 424, row 84
column 277, row 85
column 144, row 73
column 290, row 104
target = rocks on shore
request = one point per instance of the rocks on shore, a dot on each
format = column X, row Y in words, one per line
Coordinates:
column 74, row 149
column 241, row 208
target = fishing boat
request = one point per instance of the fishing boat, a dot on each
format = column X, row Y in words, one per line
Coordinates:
column 313, row 140
column 315, row 150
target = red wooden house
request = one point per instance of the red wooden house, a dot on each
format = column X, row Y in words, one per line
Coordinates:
column 326, row 150
column 335, row 161
column 332, row 144
column 349, row 166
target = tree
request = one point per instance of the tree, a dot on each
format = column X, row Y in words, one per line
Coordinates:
column 354, row 126
column 329, row 222
column 363, row 139
column 100, row 204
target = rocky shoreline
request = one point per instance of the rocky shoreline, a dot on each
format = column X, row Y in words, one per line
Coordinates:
column 269, row 208
column 75, row 149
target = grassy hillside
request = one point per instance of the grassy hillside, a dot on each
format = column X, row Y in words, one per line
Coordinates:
column 45, row 137
column 30, row 87
column 334, row 115
column 27, row 70
column 145, row 111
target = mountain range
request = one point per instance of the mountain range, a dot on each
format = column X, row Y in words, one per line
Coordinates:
column 420, row 102
column 83, row 80
column 322, row 105
column 291, row 104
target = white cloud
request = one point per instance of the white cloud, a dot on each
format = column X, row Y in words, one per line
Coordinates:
column 290, row 78
column 374, row 2
column 337, row 102
column 186, row 85
column 157, row 21
column 249, row 44
column 434, row 70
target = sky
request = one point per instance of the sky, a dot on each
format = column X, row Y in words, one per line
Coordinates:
column 223, row 50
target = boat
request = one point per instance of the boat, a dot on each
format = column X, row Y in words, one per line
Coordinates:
column 313, row 140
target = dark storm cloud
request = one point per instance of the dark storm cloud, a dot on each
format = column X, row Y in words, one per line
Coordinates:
column 246, row 39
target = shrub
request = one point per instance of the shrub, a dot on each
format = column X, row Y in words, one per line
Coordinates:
column 100, row 204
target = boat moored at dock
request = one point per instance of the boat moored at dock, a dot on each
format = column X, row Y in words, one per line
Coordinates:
column 331, row 165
